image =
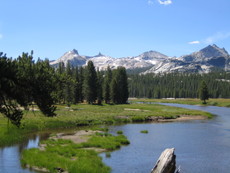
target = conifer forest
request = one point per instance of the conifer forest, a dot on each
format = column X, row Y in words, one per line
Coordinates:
column 24, row 82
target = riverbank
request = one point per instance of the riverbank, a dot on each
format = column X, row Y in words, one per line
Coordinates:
column 210, row 102
column 89, row 115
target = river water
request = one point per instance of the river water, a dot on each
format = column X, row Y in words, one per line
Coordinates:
column 10, row 156
column 201, row 145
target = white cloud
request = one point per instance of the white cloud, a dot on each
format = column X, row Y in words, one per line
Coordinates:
column 216, row 37
column 150, row 2
column 194, row 42
column 165, row 2
column 212, row 39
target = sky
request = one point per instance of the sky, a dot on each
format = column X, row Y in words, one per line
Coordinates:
column 117, row 28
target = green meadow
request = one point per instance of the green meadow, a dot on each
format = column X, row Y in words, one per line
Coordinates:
column 82, row 115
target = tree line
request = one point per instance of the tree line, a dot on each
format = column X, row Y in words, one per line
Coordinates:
column 79, row 84
column 179, row 85
column 24, row 82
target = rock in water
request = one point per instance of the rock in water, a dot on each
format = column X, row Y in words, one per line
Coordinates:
column 166, row 162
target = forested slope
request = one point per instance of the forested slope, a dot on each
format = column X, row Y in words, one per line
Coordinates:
column 178, row 85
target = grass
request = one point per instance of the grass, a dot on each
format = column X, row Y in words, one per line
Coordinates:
column 87, row 160
column 87, row 115
column 71, row 157
column 107, row 154
column 210, row 102
column 106, row 142
column 119, row 132
column 144, row 131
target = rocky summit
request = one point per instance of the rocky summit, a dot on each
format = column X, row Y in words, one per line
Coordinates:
column 207, row 59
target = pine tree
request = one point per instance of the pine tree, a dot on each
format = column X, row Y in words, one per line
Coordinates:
column 106, row 86
column 123, row 85
column 99, row 87
column 69, row 85
column 114, row 91
column 76, row 85
column 119, row 86
column 23, row 82
column 90, row 83
column 81, row 81
column 9, row 91
column 203, row 92
column 43, row 85
column 61, row 80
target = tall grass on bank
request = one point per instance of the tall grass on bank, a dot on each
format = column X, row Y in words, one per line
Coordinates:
column 86, row 115
column 71, row 157
column 86, row 161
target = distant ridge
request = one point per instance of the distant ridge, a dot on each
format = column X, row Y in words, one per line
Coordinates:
column 203, row 61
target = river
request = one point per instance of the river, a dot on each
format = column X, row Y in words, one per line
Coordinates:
column 10, row 156
column 201, row 145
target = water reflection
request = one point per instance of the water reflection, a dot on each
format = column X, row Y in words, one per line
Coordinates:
column 10, row 156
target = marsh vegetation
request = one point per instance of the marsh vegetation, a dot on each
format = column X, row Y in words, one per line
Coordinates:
column 87, row 115
column 72, row 155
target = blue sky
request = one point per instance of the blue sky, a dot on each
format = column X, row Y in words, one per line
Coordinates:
column 117, row 28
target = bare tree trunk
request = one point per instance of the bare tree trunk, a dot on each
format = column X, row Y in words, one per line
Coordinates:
column 166, row 162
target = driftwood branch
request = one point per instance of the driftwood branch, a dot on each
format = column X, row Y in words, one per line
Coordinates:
column 166, row 162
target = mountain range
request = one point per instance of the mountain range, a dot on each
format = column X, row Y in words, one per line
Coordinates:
column 203, row 61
